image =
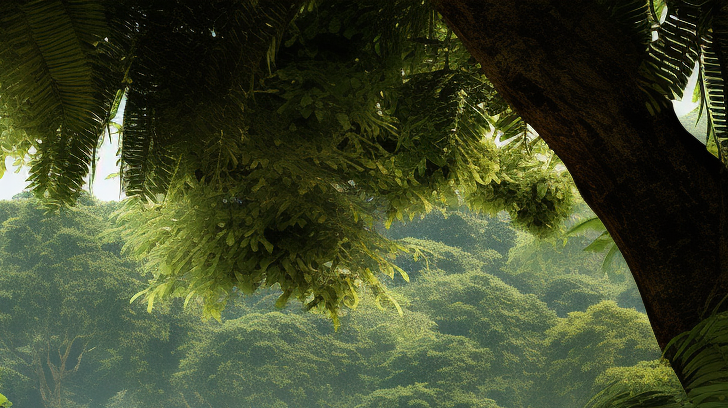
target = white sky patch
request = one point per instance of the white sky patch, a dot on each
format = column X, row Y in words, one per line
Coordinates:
column 107, row 189
column 686, row 105
column 12, row 182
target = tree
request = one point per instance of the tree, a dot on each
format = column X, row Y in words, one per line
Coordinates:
column 585, row 344
column 465, row 339
column 572, row 70
column 56, row 306
column 275, row 168
column 271, row 134
column 69, row 334
column 272, row 359
column 482, row 308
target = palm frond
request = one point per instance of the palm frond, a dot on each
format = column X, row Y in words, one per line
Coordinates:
column 694, row 32
column 615, row 397
column 673, row 55
column 589, row 224
column 713, row 71
column 603, row 243
column 634, row 16
column 57, row 83
column 192, row 76
column 146, row 168
column 701, row 355
column 444, row 122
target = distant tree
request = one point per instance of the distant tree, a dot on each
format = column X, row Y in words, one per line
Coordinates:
column 481, row 307
column 268, row 360
column 292, row 359
column 65, row 318
column 464, row 229
column 656, row 375
column 571, row 293
column 437, row 256
column 585, row 344
column 421, row 396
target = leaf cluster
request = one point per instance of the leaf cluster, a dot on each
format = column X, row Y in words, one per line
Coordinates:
column 262, row 141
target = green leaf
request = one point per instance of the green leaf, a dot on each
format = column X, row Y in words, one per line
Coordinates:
column 590, row 224
column 601, row 243
column 344, row 120
column 613, row 251
column 133, row 298
column 4, row 403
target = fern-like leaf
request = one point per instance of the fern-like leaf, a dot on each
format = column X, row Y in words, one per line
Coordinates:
column 57, row 83
column 713, row 64
column 672, row 57
column 192, row 76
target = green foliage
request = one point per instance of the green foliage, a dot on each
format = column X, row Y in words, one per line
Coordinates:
column 272, row 139
column 700, row 356
column 481, row 307
column 692, row 33
column 603, row 243
column 572, row 293
column 286, row 359
column 245, row 243
column 64, row 308
column 634, row 16
column 59, row 68
column 533, row 190
column 437, row 256
column 585, row 344
column 464, row 339
column 656, row 375
column 4, row 402
column 267, row 359
column 121, row 400
column 476, row 234
column 531, row 262
column 420, row 395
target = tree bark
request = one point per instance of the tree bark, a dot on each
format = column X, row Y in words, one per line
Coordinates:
column 572, row 74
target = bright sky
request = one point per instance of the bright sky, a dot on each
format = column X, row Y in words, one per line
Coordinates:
column 686, row 105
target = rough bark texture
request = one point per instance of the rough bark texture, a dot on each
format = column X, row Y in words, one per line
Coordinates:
column 572, row 74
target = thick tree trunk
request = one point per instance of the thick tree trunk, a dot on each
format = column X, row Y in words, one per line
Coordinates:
column 572, row 74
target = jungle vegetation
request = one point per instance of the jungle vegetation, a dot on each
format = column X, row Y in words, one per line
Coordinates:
column 264, row 141
column 491, row 317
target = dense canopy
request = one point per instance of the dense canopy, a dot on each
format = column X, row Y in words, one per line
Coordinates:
column 268, row 143
column 268, row 139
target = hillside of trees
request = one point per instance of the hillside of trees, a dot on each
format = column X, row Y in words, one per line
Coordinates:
column 492, row 317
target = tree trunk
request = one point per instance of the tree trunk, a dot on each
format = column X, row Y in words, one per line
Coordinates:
column 572, row 75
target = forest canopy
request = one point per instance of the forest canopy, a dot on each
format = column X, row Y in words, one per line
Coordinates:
column 265, row 144
column 466, row 338
column 274, row 168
